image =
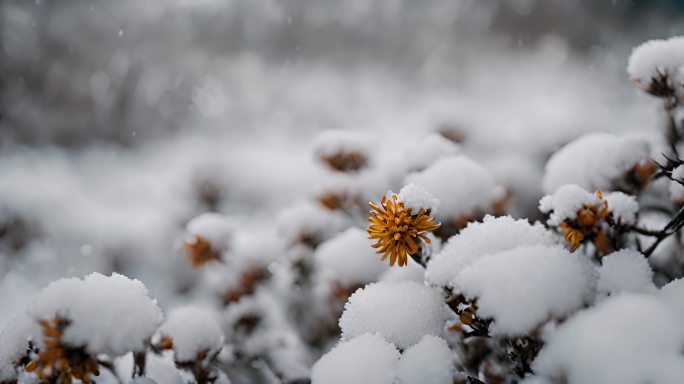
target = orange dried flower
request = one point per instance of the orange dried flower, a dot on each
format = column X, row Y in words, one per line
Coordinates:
column 573, row 236
column 344, row 161
column 643, row 172
column 199, row 251
column 398, row 231
column 332, row 200
column 585, row 224
column 59, row 363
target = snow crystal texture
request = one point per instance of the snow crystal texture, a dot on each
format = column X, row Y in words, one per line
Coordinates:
column 401, row 312
column 522, row 288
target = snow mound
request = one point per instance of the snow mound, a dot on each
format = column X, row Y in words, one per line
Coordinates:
column 306, row 220
column 627, row 339
column 348, row 258
column 107, row 314
column 565, row 203
column 625, row 271
column 428, row 362
column 522, row 288
column 214, row 227
column 461, row 185
column 14, row 340
column 400, row 312
column 428, row 150
column 332, row 142
column 672, row 294
column 193, row 331
column 367, row 359
column 416, row 197
column 623, row 207
column 594, row 161
column 653, row 56
column 494, row 234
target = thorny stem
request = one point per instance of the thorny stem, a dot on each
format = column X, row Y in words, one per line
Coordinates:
column 672, row 227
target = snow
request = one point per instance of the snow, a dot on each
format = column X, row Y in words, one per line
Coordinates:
column 672, row 294
column 332, row 142
column 411, row 272
column 664, row 56
column 108, row 314
column 623, row 207
column 366, row 359
column 428, row 150
column 625, row 271
column 160, row 368
column 416, row 197
column 214, row 227
column 594, row 161
column 401, row 312
column 524, row 287
column 14, row 340
column 305, row 220
column 193, row 331
column 461, row 185
column 348, row 258
column 430, row 361
column 610, row 344
column 565, row 203
column 143, row 380
column 255, row 245
column 105, row 164
column 494, row 234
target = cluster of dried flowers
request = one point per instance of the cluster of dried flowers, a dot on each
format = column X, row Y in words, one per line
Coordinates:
column 444, row 282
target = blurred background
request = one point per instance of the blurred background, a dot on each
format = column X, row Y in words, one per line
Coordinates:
column 121, row 120
column 79, row 71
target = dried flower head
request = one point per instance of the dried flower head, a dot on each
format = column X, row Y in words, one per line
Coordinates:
column 344, row 161
column 451, row 132
column 332, row 200
column 642, row 173
column 586, row 224
column 59, row 363
column 199, row 251
column 397, row 230
column 659, row 84
column 246, row 285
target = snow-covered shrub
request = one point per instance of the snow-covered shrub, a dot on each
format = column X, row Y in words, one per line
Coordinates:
column 655, row 66
column 522, row 288
column 295, row 277
column 192, row 333
column 342, row 151
column 209, row 235
column 600, row 161
column 430, row 361
column 609, row 344
column 401, row 312
column 625, row 271
column 374, row 361
column 493, row 235
column 602, row 220
column 102, row 314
